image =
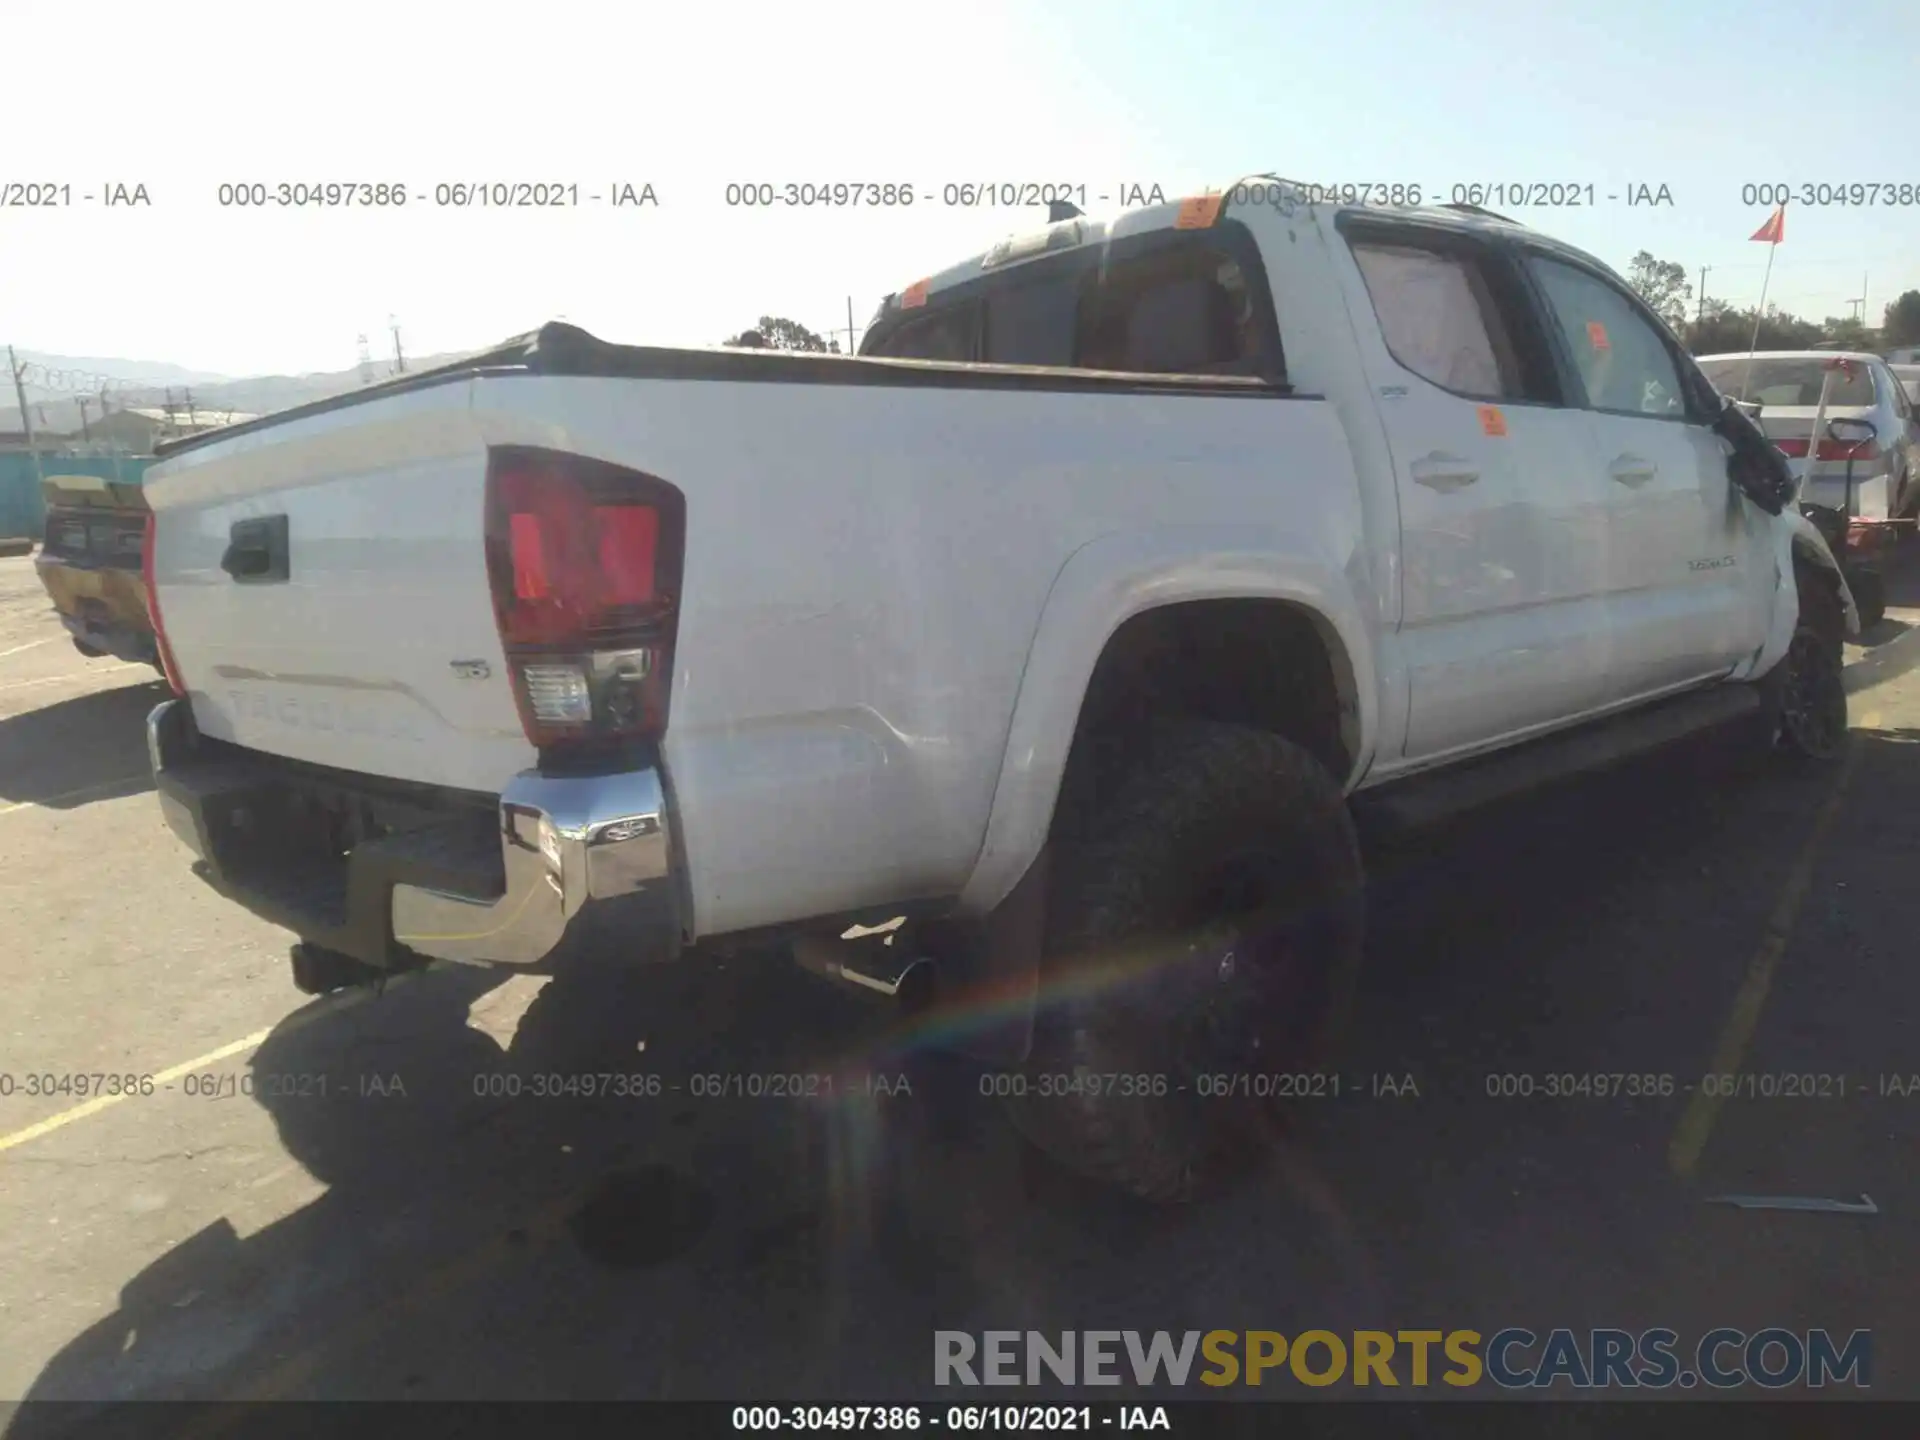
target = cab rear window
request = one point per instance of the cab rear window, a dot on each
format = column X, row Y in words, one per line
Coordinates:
column 1165, row 303
column 942, row 335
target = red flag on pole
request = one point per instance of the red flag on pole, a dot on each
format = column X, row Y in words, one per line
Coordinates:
column 1775, row 230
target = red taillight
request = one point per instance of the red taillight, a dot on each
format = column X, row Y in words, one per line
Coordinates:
column 584, row 560
column 1861, row 451
column 167, row 666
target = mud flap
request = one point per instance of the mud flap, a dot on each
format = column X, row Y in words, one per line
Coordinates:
column 990, row 989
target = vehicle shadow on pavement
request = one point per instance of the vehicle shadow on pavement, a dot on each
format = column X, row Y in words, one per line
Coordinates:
column 74, row 752
column 691, row 1239
column 486, row 1234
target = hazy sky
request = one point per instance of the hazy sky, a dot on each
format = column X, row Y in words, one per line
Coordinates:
column 1704, row 98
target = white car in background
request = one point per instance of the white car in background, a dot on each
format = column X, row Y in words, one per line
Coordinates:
column 1909, row 378
column 1786, row 384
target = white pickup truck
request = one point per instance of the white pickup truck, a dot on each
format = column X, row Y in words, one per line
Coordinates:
column 1074, row 621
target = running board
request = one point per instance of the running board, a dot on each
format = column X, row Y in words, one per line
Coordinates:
column 1422, row 800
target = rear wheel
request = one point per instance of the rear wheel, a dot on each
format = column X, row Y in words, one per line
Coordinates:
column 87, row 650
column 1203, row 945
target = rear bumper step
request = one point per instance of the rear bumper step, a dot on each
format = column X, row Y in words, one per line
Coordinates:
column 559, row 859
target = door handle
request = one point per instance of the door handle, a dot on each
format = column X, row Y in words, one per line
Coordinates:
column 1633, row 470
column 257, row 551
column 1440, row 471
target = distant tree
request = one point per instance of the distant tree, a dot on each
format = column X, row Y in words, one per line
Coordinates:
column 1663, row 285
column 1721, row 330
column 777, row 333
column 1846, row 333
column 1900, row 326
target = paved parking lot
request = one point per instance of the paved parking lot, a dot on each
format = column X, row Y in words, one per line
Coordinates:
column 370, row 1222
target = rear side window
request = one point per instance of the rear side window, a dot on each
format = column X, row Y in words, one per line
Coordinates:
column 1439, row 317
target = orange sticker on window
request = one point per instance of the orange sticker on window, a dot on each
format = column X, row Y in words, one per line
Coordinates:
column 1198, row 212
column 914, row 295
column 1492, row 421
column 1597, row 335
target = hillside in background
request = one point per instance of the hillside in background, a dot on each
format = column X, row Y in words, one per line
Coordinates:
column 255, row 395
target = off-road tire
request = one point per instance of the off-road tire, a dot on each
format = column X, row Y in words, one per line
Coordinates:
column 1141, row 1027
column 1804, row 697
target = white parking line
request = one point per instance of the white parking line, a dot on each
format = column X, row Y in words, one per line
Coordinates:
column 31, row 644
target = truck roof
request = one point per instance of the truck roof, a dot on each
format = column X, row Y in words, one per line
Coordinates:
column 1087, row 230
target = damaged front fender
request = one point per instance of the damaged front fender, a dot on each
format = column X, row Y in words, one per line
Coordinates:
column 1808, row 545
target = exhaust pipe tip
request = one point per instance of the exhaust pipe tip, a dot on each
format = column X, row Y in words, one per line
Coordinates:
column 911, row 982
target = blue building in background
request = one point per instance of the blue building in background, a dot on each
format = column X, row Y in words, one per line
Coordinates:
column 22, row 510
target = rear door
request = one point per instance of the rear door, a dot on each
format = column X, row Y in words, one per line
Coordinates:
column 1688, row 567
column 1504, row 528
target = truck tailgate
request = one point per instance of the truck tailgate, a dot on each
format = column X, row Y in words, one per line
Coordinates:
column 366, row 640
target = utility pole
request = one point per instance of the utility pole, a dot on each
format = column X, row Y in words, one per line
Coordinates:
column 86, row 431
column 1701, row 312
column 399, row 358
column 366, row 361
column 193, row 421
column 16, row 369
column 849, row 325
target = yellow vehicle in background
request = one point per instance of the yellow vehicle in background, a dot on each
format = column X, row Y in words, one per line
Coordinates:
column 90, row 562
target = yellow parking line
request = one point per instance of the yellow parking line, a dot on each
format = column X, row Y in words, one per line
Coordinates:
column 1690, row 1137
column 333, row 1005
column 104, row 1102
column 48, row 800
column 31, row 644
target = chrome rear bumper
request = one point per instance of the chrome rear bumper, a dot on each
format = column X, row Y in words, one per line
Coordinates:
column 577, row 857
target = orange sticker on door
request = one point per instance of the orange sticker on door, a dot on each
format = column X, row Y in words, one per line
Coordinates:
column 1597, row 335
column 914, row 295
column 1492, row 421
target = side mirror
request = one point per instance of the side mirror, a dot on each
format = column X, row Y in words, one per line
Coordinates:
column 1756, row 467
column 1849, row 431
